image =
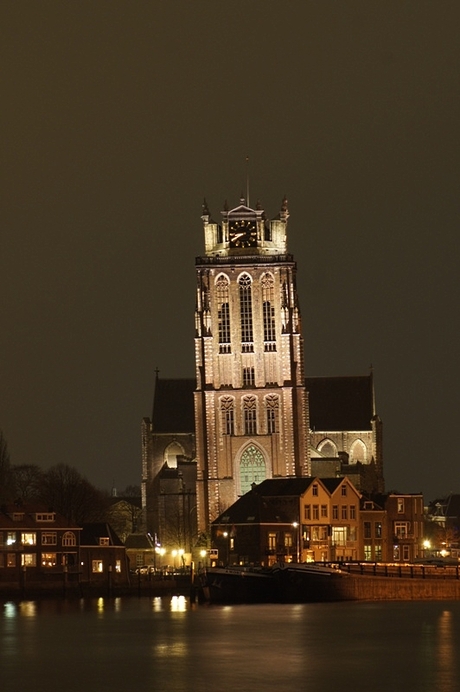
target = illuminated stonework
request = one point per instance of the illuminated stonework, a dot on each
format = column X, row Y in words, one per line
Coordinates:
column 251, row 405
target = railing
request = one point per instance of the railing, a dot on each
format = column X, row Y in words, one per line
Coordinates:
column 411, row 571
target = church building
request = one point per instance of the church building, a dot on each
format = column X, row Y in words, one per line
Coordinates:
column 250, row 413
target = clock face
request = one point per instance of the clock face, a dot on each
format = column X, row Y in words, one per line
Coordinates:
column 243, row 233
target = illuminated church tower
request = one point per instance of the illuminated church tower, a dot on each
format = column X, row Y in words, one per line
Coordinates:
column 251, row 406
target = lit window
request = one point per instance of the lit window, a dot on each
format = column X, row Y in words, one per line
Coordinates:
column 252, row 468
column 272, row 541
column 11, row 560
column 29, row 538
column 118, row 566
column 401, row 529
column 97, row 566
column 103, row 540
column 400, row 505
column 29, row 560
column 378, row 529
column 268, row 312
column 288, row 540
column 49, row 560
column 368, row 552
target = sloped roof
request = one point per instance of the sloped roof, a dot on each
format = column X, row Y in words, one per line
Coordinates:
column 141, row 541
column 340, row 403
column 291, row 486
column 173, row 408
column 336, row 403
column 252, row 508
column 91, row 534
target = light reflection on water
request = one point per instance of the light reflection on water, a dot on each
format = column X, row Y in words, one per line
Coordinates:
column 167, row 644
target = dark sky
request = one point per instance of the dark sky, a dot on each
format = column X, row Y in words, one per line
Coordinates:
column 118, row 118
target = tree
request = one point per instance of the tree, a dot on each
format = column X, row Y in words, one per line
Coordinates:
column 26, row 481
column 65, row 490
column 5, row 471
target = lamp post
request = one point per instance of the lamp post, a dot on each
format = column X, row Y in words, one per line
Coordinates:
column 226, row 546
column 296, row 526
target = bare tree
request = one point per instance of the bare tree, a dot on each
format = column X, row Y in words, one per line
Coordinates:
column 6, row 492
column 65, row 490
column 26, row 481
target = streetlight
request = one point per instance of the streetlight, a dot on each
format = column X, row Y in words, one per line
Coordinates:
column 295, row 524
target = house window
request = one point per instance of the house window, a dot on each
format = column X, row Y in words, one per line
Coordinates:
column 69, row 539
column 97, row 566
column 272, row 541
column 344, row 490
column 335, row 511
column 367, row 529
column 49, row 560
column 118, row 566
column 29, row 538
column 405, row 553
column 352, row 512
column 247, row 339
column 288, row 540
column 344, row 512
column 103, row 540
column 48, row 516
column 378, row 553
column 400, row 505
column 315, row 489
column 378, row 529
column 324, row 511
column 339, row 535
column 2, row 559
column 49, row 538
column 315, row 512
column 29, row 559
column 307, row 512
column 401, row 529
column 11, row 560
column 368, row 552
column 18, row 516
column 1, row 538
column 250, row 415
column 396, row 553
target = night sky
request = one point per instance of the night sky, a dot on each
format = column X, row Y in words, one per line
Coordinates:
column 118, row 118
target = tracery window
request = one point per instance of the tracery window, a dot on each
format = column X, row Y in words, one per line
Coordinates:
column 223, row 313
column 272, row 404
column 250, row 415
column 227, row 415
column 268, row 312
column 247, row 338
column 252, row 468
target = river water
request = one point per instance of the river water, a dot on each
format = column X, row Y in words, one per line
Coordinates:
column 170, row 645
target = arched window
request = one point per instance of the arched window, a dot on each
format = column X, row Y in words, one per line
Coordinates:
column 227, row 415
column 327, row 448
column 268, row 312
column 247, row 338
column 172, row 451
column 358, row 451
column 68, row 539
column 223, row 313
column 272, row 405
column 252, row 468
column 250, row 415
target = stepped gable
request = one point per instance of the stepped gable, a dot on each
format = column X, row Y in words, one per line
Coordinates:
column 340, row 403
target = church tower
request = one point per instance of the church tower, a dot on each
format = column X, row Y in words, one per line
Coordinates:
column 251, row 406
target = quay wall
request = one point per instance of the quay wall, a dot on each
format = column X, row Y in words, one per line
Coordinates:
column 372, row 588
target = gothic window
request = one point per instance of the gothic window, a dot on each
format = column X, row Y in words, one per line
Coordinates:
column 272, row 405
column 227, row 415
column 268, row 312
column 171, row 453
column 247, row 345
column 250, row 415
column 223, row 313
column 358, row 451
column 252, row 468
column 327, row 448
column 248, row 377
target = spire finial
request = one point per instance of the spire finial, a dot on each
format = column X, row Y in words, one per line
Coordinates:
column 247, row 181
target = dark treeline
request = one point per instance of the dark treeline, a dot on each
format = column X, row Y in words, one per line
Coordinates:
column 61, row 488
